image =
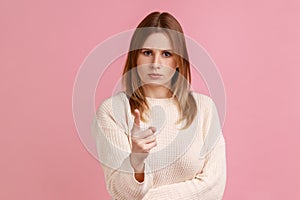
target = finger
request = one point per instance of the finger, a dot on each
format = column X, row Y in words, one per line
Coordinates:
column 150, row 139
column 150, row 146
column 137, row 118
column 142, row 134
column 153, row 129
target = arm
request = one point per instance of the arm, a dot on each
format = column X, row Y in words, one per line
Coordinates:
column 113, row 150
column 209, row 182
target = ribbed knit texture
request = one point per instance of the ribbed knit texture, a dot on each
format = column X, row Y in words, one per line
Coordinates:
column 185, row 165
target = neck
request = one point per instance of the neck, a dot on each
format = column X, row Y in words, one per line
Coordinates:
column 157, row 92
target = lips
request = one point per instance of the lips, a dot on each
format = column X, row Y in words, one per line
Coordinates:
column 155, row 76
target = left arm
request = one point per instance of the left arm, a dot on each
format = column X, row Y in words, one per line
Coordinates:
column 208, row 184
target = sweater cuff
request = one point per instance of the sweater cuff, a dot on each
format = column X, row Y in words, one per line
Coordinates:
column 144, row 186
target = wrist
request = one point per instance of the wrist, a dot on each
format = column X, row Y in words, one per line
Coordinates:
column 136, row 165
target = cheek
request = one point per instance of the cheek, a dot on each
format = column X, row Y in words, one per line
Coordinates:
column 142, row 60
column 171, row 63
column 141, row 71
column 139, row 60
column 138, row 70
column 170, row 71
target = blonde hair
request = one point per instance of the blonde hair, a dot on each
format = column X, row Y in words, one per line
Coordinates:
column 180, row 84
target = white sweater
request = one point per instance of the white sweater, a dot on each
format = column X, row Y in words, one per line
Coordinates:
column 184, row 165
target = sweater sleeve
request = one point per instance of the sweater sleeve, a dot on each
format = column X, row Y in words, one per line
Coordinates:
column 209, row 182
column 113, row 148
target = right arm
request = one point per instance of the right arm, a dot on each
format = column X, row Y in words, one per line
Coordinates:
column 123, row 169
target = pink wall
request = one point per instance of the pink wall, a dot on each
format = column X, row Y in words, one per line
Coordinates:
column 255, row 45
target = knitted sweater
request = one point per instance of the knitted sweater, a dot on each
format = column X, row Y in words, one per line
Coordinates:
column 186, row 164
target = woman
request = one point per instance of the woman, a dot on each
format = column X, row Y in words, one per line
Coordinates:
column 157, row 139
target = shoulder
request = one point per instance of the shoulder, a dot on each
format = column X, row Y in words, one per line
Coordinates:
column 202, row 100
column 115, row 108
column 118, row 100
column 114, row 104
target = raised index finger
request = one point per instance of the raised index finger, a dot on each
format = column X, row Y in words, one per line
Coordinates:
column 137, row 118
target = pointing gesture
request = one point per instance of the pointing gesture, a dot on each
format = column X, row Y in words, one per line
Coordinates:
column 142, row 142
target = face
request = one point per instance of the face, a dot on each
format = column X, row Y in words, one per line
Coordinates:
column 156, row 63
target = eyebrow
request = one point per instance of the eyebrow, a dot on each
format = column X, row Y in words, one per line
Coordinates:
column 159, row 49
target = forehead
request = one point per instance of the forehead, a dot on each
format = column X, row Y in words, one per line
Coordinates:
column 157, row 41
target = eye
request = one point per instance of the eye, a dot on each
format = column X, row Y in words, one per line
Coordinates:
column 147, row 53
column 167, row 54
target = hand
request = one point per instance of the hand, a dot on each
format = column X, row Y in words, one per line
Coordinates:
column 142, row 143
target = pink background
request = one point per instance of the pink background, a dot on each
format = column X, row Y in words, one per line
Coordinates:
column 255, row 45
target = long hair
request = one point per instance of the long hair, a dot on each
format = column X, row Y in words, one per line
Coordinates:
column 180, row 82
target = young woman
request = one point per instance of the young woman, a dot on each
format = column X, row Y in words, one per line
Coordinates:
column 157, row 139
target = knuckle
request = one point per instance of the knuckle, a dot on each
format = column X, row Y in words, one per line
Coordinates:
column 144, row 148
column 150, row 131
column 139, row 143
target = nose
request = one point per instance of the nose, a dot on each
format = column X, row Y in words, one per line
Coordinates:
column 156, row 61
